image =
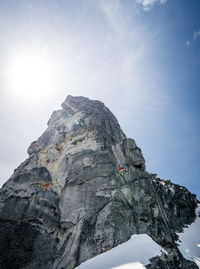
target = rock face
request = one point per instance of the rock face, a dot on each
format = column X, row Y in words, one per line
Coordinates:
column 68, row 201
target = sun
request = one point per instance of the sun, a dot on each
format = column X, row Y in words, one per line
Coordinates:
column 30, row 75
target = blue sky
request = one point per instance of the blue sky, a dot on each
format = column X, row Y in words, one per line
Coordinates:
column 140, row 57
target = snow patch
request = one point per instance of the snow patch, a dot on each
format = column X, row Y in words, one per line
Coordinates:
column 133, row 265
column 162, row 182
column 138, row 251
column 190, row 239
column 197, row 261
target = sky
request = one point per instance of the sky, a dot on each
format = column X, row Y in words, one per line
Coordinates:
column 140, row 57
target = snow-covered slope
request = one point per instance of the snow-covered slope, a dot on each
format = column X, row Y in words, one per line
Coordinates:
column 190, row 240
column 133, row 265
column 137, row 251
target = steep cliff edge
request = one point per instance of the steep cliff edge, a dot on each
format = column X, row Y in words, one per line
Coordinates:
column 68, row 201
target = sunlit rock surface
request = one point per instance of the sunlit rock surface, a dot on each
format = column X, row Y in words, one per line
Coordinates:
column 68, row 202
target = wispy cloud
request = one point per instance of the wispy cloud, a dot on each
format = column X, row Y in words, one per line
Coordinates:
column 148, row 4
column 196, row 35
column 188, row 43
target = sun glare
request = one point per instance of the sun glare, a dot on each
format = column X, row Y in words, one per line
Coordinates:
column 30, row 76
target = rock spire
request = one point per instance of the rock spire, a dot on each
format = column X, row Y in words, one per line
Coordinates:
column 68, row 202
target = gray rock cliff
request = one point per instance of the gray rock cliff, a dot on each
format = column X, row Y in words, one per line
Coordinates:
column 68, row 201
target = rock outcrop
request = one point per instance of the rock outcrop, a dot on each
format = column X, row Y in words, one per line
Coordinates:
column 68, row 201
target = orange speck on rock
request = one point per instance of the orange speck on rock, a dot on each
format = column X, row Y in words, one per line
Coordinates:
column 46, row 186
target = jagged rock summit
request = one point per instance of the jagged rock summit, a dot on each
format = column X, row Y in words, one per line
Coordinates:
column 68, row 201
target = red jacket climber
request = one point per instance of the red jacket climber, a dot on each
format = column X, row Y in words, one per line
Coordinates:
column 122, row 167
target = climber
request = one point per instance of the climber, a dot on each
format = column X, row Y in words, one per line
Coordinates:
column 122, row 168
column 122, row 171
column 77, row 123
